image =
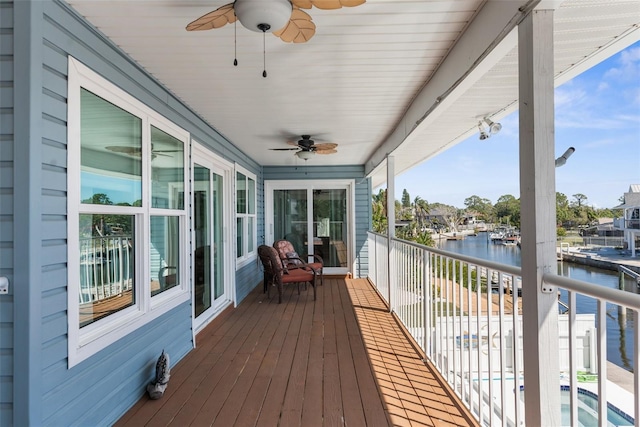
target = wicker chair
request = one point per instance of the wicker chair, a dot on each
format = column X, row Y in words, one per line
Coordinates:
column 274, row 272
column 290, row 258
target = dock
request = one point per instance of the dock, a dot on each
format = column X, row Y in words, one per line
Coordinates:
column 605, row 258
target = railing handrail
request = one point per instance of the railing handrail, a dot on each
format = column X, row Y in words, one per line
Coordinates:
column 616, row 296
column 505, row 268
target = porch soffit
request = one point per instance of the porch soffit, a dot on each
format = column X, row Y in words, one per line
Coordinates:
column 577, row 47
column 367, row 78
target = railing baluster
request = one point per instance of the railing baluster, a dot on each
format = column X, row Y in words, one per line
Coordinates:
column 470, row 335
column 573, row 370
column 636, row 363
column 503, row 361
column 479, row 381
column 426, row 303
column 516, row 346
column 490, row 343
column 448, row 319
column 602, row 363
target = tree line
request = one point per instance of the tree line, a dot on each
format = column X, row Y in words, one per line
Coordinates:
column 419, row 222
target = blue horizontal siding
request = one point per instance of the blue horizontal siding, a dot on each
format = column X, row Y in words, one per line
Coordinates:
column 6, row 211
column 100, row 389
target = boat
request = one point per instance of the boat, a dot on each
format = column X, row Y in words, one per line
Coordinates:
column 505, row 236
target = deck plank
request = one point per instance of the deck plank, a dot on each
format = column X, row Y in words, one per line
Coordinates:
column 339, row 360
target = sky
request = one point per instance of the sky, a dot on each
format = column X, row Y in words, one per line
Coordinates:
column 597, row 112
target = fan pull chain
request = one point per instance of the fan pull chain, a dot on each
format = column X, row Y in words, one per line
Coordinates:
column 264, row 54
column 235, row 43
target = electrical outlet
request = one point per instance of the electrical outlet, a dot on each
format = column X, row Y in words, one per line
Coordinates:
column 4, row 286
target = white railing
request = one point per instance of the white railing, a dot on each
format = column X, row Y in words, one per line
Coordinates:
column 443, row 300
column 106, row 267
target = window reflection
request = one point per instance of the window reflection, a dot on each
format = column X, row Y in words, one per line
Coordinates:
column 111, row 147
column 239, row 236
column 165, row 256
column 167, row 170
column 107, row 265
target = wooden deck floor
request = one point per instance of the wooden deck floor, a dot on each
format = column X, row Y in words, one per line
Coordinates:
column 341, row 360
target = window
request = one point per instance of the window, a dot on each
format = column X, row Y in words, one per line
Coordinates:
column 127, row 217
column 245, row 215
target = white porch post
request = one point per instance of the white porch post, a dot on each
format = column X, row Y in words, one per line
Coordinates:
column 391, row 224
column 538, row 219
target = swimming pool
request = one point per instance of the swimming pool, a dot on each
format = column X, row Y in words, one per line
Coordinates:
column 588, row 410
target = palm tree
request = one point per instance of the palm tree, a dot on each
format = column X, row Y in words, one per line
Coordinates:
column 379, row 211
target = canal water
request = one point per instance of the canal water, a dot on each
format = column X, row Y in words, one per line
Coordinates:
column 620, row 329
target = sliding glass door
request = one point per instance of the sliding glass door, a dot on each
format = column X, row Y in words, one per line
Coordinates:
column 211, row 260
column 330, row 226
column 314, row 217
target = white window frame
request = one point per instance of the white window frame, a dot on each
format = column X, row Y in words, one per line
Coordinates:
column 247, row 256
column 85, row 342
column 205, row 157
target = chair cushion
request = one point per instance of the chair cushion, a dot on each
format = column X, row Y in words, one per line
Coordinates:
column 297, row 275
column 283, row 246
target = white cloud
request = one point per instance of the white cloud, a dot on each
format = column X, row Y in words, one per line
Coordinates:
column 565, row 97
column 601, row 143
column 630, row 55
column 629, row 67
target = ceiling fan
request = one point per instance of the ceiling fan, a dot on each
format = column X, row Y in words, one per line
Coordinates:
column 284, row 18
column 306, row 147
column 137, row 151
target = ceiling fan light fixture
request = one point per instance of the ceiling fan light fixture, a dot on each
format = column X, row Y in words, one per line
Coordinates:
column 263, row 15
column 304, row 154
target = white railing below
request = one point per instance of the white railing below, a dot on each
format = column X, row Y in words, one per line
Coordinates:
column 106, row 267
column 466, row 315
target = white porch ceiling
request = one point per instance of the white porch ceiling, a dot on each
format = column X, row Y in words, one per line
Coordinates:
column 408, row 77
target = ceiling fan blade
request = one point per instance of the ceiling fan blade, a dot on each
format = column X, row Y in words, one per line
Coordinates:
column 300, row 28
column 216, row 19
column 325, row 146
column 335, row 4
column 284, row 149
column 132, row 151
column 302, row 4
column 326, row 151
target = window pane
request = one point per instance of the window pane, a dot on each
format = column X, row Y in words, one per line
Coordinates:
column 239, row 233
column 250, row 235
column 110, row 156
column 202, row 234
column 167, row 170
column 330, row 226
column 165, row 251
column 251, row 196
column 241, row 193
column 107, row 265
column 290, row 218
column 218, row 231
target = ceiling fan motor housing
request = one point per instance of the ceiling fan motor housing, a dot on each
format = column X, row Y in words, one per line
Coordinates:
column 263, row 15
